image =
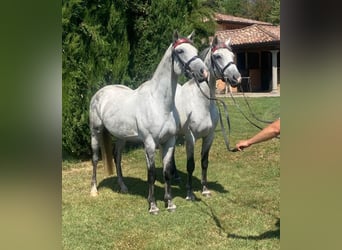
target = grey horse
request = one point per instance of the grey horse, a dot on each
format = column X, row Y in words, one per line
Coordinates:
column 146, row 114
column 198, row 114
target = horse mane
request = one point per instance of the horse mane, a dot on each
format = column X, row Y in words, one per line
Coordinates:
column 204, row 53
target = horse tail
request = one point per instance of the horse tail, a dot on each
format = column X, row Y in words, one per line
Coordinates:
column 107, row 151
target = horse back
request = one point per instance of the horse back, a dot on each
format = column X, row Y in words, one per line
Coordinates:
column 114, row 108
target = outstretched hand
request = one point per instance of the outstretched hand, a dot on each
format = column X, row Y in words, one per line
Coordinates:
column 241, row 145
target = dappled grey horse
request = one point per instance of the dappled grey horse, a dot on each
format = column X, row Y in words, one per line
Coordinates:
column 146, row 114
column 197, row 109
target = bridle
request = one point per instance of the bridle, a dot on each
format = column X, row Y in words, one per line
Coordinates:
column 188, row 71
column 221, row 71
column 225, row 137
column 217, row 66
column 186, row 65
column 222, row 77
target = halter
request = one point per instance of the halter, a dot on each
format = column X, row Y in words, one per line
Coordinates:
column 186, row 66
column 223, row 45
column 225, row 136
column 216, row 66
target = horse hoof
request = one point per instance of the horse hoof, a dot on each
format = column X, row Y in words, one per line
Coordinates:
column 94, row 193
column 206, row 193
column 124, row 190
column 154, row 211
column 153, row 208
column 190, row 197
column 171, row 208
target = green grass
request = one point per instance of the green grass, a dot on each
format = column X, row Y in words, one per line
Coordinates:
column 242, row 213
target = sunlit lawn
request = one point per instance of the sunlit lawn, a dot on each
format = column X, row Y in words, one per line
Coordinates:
column 242, row 213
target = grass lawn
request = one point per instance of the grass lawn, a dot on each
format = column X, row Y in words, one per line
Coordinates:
column 242, row 213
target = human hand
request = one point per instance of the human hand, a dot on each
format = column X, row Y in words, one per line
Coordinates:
column 242, row 144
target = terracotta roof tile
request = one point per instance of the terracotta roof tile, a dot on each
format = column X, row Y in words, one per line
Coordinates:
column 274, row 30
column 253, row 34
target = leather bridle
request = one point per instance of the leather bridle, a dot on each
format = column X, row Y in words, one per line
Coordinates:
column 186, row 65
column 217, row 66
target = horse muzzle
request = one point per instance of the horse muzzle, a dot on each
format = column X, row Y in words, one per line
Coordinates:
column 233, row 81
column 202, row 75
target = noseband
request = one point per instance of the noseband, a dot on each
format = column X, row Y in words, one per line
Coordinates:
column 216, row 66
column 186, row 65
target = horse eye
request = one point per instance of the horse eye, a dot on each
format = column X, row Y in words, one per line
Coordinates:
column 180, row 51
column 217, row 56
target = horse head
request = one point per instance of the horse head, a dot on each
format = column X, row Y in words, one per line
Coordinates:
column 222, row 60
column 186, row 59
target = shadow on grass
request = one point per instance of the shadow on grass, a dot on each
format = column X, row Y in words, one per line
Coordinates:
column 138, row 186
column 266, row 235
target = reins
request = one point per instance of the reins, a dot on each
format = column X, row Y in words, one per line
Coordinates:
column 249, row 108
column 244, row 115
column 221, row 72
column 225, row 137
column 188, row 70
column 217, row 100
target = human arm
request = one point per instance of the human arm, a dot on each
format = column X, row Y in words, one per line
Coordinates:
column 269, row 132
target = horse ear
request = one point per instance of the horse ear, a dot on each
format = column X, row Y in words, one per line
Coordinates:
column 228, row 42
column 175, row 36
column 215, row 41
column 191, row 36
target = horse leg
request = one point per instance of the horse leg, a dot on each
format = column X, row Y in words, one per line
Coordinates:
column 190, row 165
column 95, row 145
column 174, row 171
column 117, row 153
column 167, row 156
column 206, row 145
column 150, row 149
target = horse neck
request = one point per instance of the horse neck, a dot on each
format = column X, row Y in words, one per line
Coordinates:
column 165, row 80
column 212, row 78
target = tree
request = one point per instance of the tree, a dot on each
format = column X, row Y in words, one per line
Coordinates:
column 153, row 28
column 95, row 53
column 274, row 16
column 108, row 42
column 261, row 10
column 234, row 7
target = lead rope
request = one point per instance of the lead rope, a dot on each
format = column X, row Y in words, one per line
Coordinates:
column 225, row 137
column 249, row 107
column 238, row 106
column 251, row 111
column 244, row 115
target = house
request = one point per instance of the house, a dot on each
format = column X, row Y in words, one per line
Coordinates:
column 257, row 48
